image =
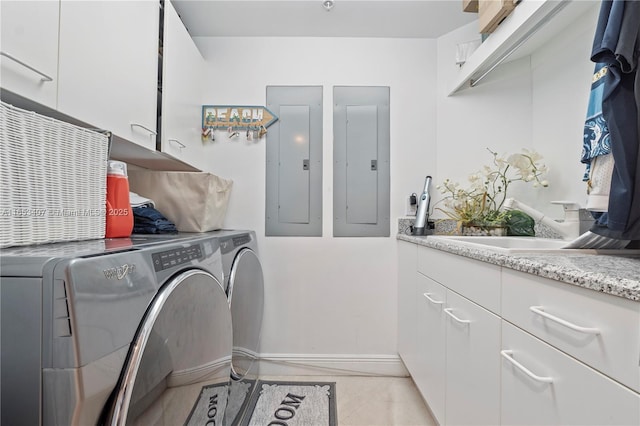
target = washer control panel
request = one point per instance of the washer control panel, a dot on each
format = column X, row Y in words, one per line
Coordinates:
column 229, row 245
column 175, row 257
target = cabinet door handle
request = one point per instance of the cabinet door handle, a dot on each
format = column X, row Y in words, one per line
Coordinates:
column 145, row 128
column 177, row 142
column 540, row 311
column 508, row 355
column 44, row 76
column 435, row 302
column 448, row 312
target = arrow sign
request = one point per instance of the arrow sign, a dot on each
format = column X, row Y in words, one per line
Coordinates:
column 240, row 117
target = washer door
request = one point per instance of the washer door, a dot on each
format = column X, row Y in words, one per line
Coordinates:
column 183, row 344
column 246, row 299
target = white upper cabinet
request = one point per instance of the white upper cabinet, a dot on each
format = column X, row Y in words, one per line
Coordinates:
column 109, row 65
column 29, row 61
column 183, row 72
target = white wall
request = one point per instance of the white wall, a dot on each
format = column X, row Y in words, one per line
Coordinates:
column 336, row 297
column 537, row 101
column 325, row 295
column 561, row 76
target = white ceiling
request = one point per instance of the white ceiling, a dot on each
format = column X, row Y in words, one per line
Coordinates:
column 308, row 18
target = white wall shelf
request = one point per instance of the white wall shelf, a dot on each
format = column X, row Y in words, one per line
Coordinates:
column 121, row 149
column 531, row 24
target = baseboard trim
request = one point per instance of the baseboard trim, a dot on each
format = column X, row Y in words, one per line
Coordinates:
column 271, row 364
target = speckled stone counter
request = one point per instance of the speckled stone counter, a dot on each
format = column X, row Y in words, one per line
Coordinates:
column 615, row 275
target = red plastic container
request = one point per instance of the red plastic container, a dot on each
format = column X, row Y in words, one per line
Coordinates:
column 119, row 220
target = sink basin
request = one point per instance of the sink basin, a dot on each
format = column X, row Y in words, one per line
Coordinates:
column 514, row 245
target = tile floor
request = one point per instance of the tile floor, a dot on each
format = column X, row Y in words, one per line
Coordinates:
column 374, row 401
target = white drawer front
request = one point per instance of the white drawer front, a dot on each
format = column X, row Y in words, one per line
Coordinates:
column 601, row 330
column 577, row 394
column 475, row 280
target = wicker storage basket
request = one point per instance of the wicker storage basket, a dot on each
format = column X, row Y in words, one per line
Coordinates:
column 52, row 179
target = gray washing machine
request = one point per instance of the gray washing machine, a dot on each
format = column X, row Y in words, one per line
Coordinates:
column 116, row 331
column 244, row 286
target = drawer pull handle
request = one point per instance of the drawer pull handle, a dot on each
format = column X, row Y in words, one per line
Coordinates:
column 508, row 355
column 177, row 142
column 540, row 311
column 44, row 77
column 435, row 302
column 145, row 128
column 448, row 312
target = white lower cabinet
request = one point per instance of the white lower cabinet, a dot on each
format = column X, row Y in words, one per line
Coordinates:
column 430, row 372
column 473, row 363
column 407, row 302
column 482, row 356
column 600, row 330
column 543, row 386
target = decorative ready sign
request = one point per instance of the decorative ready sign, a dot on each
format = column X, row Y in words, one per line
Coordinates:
column 236, row 116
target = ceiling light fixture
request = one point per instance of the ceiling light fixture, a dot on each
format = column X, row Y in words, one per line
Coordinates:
column 327, row 4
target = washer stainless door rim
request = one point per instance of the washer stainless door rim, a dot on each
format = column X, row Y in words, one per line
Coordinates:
column 246, row 300
column 184, row 342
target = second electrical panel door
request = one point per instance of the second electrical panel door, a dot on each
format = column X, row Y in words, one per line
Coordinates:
column 293, row 182
column 294, row 162
column 361, row 161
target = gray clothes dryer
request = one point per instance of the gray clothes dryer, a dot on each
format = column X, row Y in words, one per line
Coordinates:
column 244, row 286
column 120, row 331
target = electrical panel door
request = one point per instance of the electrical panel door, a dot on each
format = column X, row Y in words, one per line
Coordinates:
column 361, row 162
column 294, row 162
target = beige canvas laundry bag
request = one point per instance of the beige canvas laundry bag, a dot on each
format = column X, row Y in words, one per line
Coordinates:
column 193, row 201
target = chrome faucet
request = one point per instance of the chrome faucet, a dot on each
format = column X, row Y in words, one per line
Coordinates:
column 568, row 229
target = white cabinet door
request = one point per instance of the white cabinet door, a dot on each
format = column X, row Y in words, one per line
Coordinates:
column 183, row 72
column 109, row 66
column 473, row 363
column 547, row 387
column 407, row 255
column 29, row 64
column 430, row 375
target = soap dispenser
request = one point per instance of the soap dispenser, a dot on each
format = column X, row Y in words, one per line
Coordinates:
column 119, row 219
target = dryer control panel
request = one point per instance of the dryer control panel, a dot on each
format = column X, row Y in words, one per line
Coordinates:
column 177, row 256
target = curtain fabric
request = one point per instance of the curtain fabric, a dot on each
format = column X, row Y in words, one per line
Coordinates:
column 617, row 45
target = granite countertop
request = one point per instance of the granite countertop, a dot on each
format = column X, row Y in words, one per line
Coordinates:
column 610, row 274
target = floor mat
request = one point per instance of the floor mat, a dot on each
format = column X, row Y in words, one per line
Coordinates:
column 292, row 404
column 207, row 408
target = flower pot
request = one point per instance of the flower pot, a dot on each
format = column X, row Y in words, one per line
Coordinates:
column 485, row 230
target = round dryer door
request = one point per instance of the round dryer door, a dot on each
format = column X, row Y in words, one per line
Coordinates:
column 179, row 363
column 246, row 299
